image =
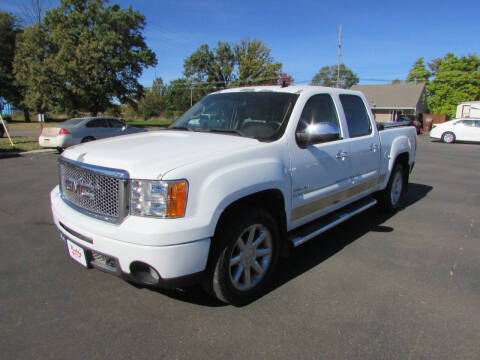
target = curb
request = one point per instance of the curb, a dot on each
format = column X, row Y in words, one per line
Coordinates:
column 9, row 154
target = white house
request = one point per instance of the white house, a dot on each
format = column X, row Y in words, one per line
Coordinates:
column 468, row 109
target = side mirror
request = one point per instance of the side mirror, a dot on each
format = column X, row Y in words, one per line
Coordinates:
column 317, row 133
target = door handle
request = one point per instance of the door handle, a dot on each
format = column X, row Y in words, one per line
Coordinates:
column 342, row 155
column 373, row 147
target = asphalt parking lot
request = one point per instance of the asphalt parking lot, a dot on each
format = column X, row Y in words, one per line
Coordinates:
column 377, row 287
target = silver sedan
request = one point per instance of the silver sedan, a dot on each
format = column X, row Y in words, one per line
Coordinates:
column 79, row 130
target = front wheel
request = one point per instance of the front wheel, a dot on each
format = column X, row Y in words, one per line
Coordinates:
column 390, row 199
column 448, row 137
column 247, row 252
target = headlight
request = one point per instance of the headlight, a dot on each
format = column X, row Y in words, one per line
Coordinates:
column 165, row 199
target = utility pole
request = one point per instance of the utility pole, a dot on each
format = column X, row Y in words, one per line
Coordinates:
column 339, row 54
column 191, row 94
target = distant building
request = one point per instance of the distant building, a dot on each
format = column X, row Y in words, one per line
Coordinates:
column 468, row 109
column 394, row 101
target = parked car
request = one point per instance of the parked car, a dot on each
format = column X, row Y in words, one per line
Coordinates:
column 245, row 175
column 464, row 129
column 80, row 130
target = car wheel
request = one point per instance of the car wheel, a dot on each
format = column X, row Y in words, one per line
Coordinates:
column 448, row 137
column 245, row 255
column 390, row 199
column 87, row 139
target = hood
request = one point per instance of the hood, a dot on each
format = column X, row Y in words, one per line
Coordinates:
column 151, row 155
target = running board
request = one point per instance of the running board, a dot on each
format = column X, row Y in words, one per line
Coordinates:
column 315, row 228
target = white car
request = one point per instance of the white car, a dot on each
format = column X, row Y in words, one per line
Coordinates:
column 80, row 130
column 466, row 129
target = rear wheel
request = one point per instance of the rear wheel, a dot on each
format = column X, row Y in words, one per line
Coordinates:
column 245, row 255
column 448, row 137
column 390, row 199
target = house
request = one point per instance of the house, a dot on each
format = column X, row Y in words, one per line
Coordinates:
column 392, row 101
column 468, row 109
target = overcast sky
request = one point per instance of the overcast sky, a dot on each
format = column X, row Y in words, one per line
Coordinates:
column 381, row 40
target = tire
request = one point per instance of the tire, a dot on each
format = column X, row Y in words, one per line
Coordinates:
column 390, row 199
column 448, row 137
column 244, row 256
column 87, row 139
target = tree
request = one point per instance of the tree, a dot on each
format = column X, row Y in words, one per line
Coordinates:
column 255, row 64
column 153, row 102
column 284, row 79
column 246, row 63
column 327, row 76
column 83, row 55
column 215, row 67
column 10, row 32
column 33, row 12
column 397, row 81
column 418, row 72
column 457, row 80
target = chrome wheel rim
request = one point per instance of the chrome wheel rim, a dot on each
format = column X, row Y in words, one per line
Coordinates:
column 250, row 257
column 448, row 137
column 396, row 191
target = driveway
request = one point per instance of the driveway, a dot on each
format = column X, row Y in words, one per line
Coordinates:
column 377, row 287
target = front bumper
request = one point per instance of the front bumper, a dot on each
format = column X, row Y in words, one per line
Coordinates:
column 175, row 249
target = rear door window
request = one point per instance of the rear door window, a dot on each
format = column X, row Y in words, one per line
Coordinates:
column 356, row 115
column 97, row 123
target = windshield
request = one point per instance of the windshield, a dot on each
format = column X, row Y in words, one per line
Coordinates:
column 259, row 115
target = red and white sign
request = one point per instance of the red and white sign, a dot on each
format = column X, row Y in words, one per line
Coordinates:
column 76, row 253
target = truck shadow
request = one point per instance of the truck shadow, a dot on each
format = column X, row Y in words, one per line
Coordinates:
column 319, row 249
column 315, row 251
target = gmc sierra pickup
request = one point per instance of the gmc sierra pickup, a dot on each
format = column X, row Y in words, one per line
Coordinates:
column 242, row 177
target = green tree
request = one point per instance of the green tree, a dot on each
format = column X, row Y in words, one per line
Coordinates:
column 213, row 66
column 327, row 76
column 418, row 72
column 153, row 101
column 255, row 64
column 88, row 55
column 181, row 93
column 246, row 63
column 10, row 31
column 457, row 80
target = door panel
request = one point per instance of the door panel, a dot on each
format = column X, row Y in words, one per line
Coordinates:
column 364, row 143
column 321, row 173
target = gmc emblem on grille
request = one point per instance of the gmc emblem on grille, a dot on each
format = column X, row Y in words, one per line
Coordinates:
column 80, row 189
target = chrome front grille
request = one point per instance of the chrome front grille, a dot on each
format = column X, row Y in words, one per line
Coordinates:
column 96, row 191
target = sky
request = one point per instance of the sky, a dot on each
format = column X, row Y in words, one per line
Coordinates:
column 380, row 39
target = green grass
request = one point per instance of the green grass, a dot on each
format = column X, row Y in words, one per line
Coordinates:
column 20, row 144
column 143, row 123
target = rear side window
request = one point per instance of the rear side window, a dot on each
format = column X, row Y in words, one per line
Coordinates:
column 468, row 123
column 115, row 123
column 97, row 123
column 356, row 115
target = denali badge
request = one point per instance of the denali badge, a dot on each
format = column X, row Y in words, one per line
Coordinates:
column 81, row 189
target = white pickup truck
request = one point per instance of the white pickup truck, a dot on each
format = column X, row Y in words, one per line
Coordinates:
column 242, row 177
